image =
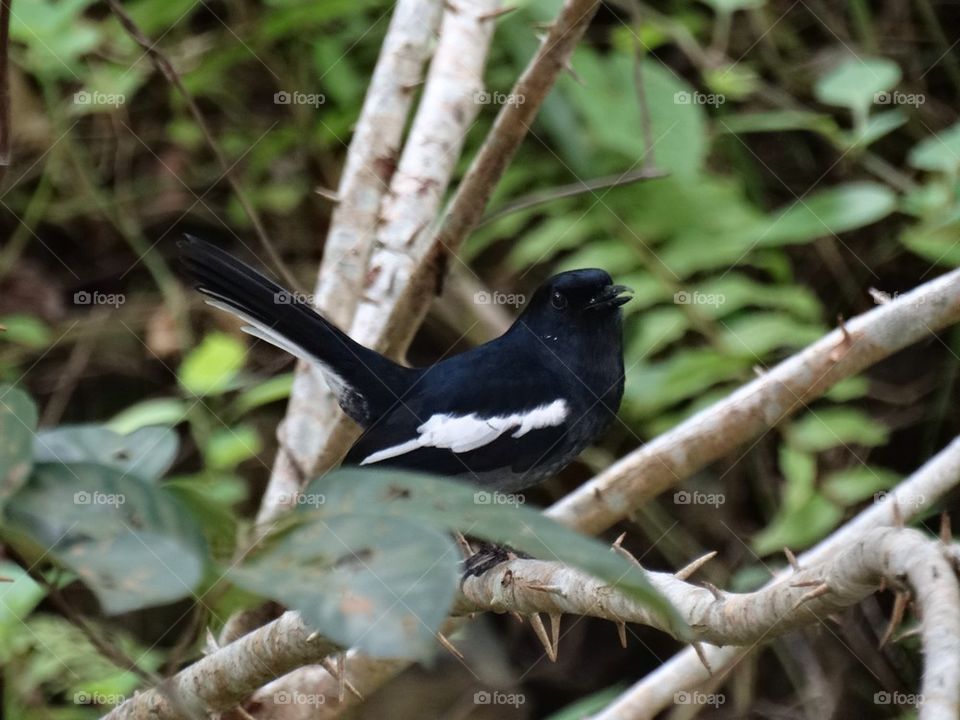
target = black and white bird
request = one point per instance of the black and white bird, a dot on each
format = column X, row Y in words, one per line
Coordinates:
column 504, row 415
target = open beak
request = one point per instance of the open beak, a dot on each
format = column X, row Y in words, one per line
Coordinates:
column 611, row 297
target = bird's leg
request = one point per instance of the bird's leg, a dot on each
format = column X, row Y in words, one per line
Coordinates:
column 488, row 555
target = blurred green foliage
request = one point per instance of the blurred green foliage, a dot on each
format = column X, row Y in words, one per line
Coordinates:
column 809, row 158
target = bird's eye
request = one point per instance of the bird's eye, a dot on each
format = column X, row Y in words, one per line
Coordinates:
column 558, row 300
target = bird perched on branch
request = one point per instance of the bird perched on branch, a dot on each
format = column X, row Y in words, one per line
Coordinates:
column 504, row 415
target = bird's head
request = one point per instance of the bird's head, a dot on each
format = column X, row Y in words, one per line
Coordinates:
column 584, row 298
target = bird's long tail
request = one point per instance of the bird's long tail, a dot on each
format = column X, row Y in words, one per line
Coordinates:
column 365, row 383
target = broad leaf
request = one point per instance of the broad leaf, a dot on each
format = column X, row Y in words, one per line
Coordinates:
column 146, row 453
column 456, row 506
column 130, row 542
column 856, row 82
column 380, row 583
column 212, row 366
column 825, row 428
column 18, row 421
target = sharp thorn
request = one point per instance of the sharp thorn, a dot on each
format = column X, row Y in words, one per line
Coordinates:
column 541, row 632
column 819, row 591
column 714, row 590
column 449, row 645
column 555, row 632
column 689, row 569
column 622, row 633
column 698, row 648
column 792, row 559
column 900, row 601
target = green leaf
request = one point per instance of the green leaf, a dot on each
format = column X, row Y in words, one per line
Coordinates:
column 159, row 411
column 228, row 447
column 829, row 212
column 855, row 484
column 831, row 427
column 799, row 528
column 856, row 82
column 129, row 541
column 264, row 393
column 800, row 472
column 686, row 373
column 18, row 597
column 939, row 153
column 25, row 330
column 18, row 420
column 146, row 453
column 454, row 506
column 380, row 583
column 729, row 6
column 755, row 334
column 212, row 366
column 777, row 121
column 938, row 242
column 878, row 126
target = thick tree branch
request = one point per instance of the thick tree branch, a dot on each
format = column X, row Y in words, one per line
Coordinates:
column 685, row 671
column 371, row 160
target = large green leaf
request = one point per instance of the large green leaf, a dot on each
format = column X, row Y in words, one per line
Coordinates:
column 941, row 152
column 456, row 506
column 146, row 453
column 799, row 528
column 380, row 583
column 829, row 212
column 856, row 82
column 834, row 426
column 130, row 541
column 212, row 366
column 18, row 421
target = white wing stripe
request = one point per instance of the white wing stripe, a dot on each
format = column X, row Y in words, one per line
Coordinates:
column 462, row 433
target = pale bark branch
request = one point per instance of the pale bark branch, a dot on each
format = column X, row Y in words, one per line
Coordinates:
column 684, row 671
column 371, row 159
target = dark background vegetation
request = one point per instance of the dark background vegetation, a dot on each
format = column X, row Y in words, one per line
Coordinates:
column 792, row 190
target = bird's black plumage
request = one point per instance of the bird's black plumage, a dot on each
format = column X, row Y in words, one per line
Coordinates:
column 504, row 415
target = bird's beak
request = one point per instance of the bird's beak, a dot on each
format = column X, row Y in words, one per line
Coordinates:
column 611, row 297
